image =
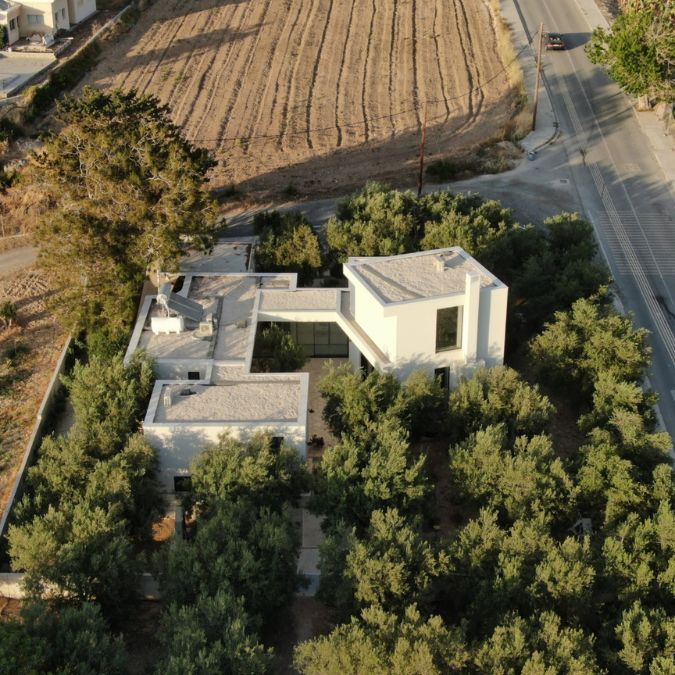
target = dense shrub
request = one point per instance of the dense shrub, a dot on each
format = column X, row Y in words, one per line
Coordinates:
column 73, row 638
column 92, row 494
column 287, row 243
column 590, row 339
column 498, row 396
column 252, row 549
column 41, row 98
column 275, row 351
column 265, row 475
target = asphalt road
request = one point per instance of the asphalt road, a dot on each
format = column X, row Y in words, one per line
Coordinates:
column 622, row 189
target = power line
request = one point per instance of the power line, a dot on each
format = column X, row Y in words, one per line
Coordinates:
column 390, row 116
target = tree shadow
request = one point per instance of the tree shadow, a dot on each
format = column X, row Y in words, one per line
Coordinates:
column 195, row 45
column 394, row 158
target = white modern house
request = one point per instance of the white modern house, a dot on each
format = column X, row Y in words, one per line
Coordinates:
column 439, row 311
column 23, row 18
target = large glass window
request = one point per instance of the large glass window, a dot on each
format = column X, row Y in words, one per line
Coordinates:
column 319, row 339
column 448, row 328
column 34, row 19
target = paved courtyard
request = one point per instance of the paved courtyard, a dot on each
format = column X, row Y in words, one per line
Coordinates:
column 16, row 69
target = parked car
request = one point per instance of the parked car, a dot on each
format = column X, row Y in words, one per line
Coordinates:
column 554, row 41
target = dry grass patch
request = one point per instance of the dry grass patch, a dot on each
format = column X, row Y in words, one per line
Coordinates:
column 321, row 95
column 29, row 351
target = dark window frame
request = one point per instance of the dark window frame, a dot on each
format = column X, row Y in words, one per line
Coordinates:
column 442, row 375
column 366, row 366
column 443, row 343
column 182, row 484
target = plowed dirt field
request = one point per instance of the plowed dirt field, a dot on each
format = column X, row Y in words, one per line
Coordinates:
column 318, row 94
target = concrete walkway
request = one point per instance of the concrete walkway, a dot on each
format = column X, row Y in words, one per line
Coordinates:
column 525, row 45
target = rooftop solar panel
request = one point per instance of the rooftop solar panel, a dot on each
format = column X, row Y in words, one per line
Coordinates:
column 185, row 307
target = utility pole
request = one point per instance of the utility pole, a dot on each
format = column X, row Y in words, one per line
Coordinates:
column 536, row 83
column 420, row 180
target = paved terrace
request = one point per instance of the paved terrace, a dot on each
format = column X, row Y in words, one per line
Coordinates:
column 231, row 298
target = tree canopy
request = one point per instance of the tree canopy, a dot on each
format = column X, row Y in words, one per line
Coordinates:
column 498, row 396
column 639, row 50
column 375, row 221
column 210, row 637
column 287, row 243
column 550, row 560
column 71, row 639
column 92, row 494
column 591, row 338
column 275, row 350
column 522, row 478
column 125, row 192
column 385, row 644
column 238, row 567
column 233, row 469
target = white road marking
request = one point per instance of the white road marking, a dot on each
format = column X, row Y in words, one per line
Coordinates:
column 627, row 247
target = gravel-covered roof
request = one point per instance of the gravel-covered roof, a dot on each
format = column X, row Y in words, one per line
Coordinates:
column 240, row 399
column 418, row 275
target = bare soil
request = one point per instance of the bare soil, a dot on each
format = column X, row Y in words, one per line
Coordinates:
column 319, row 95
column 306, row 618
column 23, row 385
column 140, row 634
column 10, row 609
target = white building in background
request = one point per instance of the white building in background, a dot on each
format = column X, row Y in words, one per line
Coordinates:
column 439, row 311
column 23, row 18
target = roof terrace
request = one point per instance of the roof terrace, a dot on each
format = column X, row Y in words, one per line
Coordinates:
column 418, row 276
column 230, row 299
column 238, row 398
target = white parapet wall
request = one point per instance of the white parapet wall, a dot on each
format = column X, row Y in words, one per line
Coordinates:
column 396, row 302
column 186, row 417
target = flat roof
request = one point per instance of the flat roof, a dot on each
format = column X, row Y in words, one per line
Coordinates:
column 306, row 299
column 175, row 345
column 239, row 399
column 227, row 256
column 414, row 276
column 230, row 298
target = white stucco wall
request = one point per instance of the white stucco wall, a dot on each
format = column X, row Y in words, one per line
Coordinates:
column 79, row 10
column 297, row 316
column 179, row 443
column 369, row 314
column 47, row 12
column 177, row 369
column 354, row 356
column 13, row 13
column 414, row 328
column 493, row 304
